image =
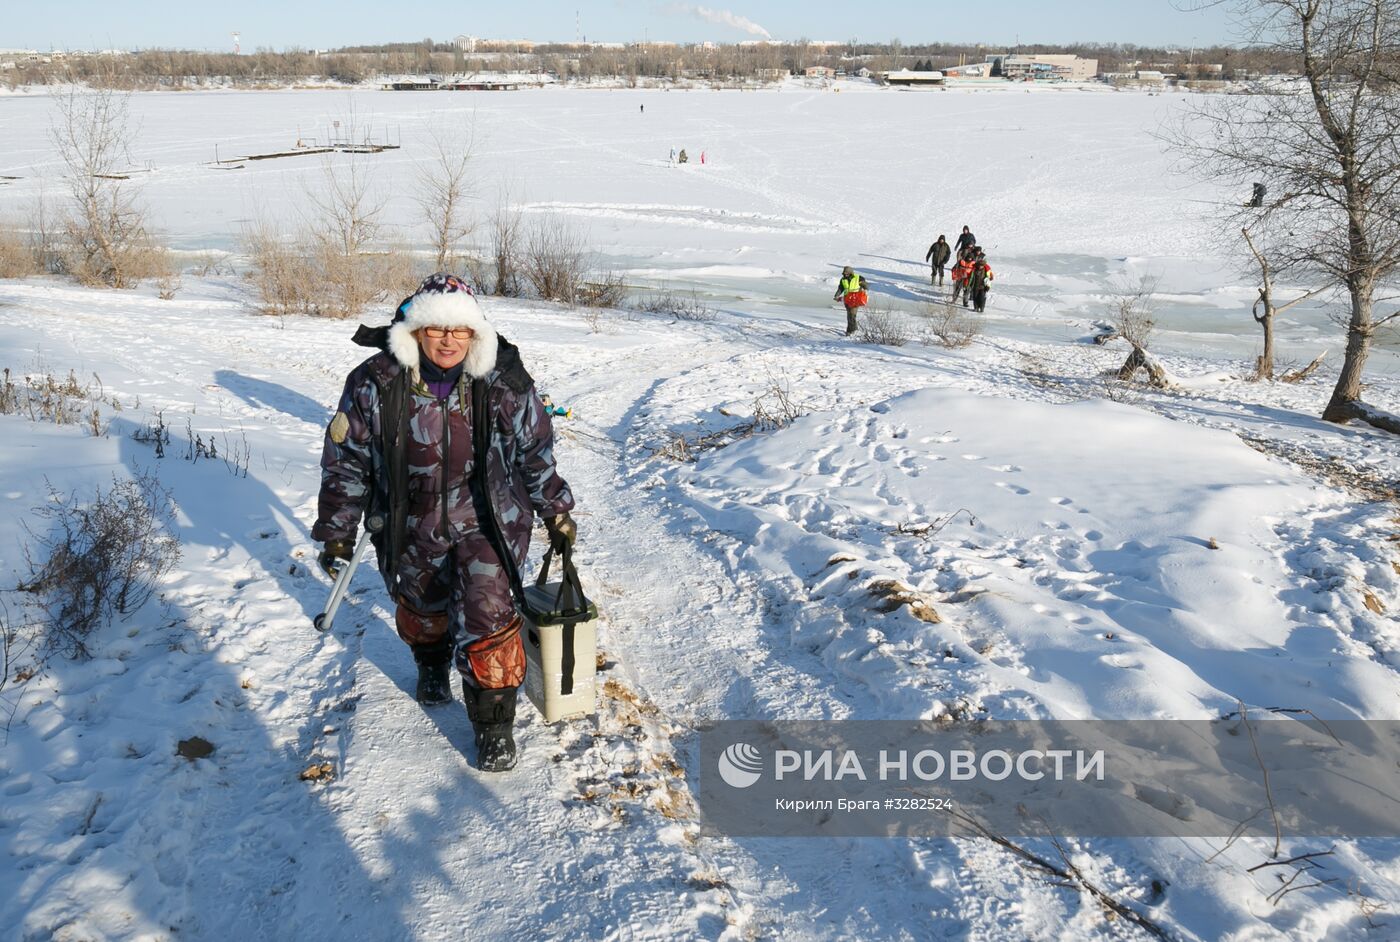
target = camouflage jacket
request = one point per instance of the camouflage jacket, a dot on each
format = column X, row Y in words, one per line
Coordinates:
column 423, row 471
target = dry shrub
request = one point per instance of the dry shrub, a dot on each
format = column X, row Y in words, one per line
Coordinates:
column 774, row 408
column 43, row 237
column 311, row 274
column 277, row 269
column 555, row 260
column 212, row 263
column 683, row 306
column 44, row 397
column 344, row 284
column 16, row 254
column 138, row 258
column 101, row 558
column 1134, row 319
column 880, row 326
column 607, row 289
column 950, row 325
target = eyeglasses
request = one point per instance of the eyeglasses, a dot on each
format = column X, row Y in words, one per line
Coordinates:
column 458, row 333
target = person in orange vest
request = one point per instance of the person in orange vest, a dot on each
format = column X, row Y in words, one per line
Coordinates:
column 962, row 273
column 980, row 281
column 850, row 291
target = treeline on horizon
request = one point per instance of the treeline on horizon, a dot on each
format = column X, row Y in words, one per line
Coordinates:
column 155, row 68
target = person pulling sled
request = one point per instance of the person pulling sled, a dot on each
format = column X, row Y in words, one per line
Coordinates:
column 850, row 291
column 442, row 435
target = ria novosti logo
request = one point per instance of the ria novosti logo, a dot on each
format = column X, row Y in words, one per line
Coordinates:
column 740, row 765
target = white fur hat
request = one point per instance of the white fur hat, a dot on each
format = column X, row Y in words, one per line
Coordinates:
column 443, row 301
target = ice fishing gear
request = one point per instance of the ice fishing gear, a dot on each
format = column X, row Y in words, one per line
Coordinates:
column 552, row 409
column 373, row 524
column 561, row 641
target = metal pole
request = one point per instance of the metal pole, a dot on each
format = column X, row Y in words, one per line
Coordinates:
column 323, row 621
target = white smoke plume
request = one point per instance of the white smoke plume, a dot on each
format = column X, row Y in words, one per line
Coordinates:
column 724, row 18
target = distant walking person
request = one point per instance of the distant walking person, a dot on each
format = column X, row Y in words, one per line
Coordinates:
column 965, row 241
column 644, row 108
column 980, row 281
column 850, row 291
column 962, row 275
column 938, row 254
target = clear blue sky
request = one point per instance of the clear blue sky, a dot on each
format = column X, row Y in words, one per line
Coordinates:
column 90, row 24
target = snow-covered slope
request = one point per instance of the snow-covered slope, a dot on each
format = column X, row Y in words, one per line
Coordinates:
column 1079, row 581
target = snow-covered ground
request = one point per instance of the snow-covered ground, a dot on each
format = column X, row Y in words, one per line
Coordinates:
column 1091, row 551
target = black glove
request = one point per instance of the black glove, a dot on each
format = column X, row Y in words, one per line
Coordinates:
column 335, row 550
column 562, row 531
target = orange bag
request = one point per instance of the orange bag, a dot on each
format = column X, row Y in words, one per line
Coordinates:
column 855, row 299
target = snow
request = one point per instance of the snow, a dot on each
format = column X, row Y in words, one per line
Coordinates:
column 1090, row 550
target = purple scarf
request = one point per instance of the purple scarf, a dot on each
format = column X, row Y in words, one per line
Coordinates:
column 440, row 382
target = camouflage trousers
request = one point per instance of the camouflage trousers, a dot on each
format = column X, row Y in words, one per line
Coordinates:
column 459, row 597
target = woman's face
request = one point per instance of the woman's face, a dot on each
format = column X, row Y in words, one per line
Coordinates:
column 447, row 350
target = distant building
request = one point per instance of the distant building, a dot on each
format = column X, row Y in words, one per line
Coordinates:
column 519, row 45
column 465, row 43
column 819, row 71
column 971, row 70
column 475, row 82
column 1150, row 75
column 909, row 78
column 1049, row 67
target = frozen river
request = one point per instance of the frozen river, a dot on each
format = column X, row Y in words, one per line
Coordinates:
column 1068, row 189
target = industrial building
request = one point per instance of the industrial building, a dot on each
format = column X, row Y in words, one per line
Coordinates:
column 1065, row 68
column 912, row 79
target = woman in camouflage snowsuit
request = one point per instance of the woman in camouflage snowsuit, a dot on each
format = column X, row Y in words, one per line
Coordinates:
column 443, row 435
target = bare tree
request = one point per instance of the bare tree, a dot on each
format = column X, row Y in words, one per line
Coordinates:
column 506, row 234
column 444, row 188
column 343, row 232
column 106, row 227
column 1265, row 310
column 1329, row 147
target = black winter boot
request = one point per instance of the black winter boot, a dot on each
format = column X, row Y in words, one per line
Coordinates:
column 492, row 713
column 434, row 672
